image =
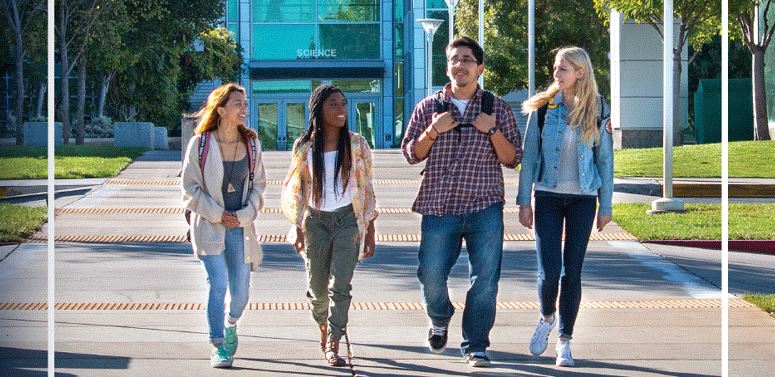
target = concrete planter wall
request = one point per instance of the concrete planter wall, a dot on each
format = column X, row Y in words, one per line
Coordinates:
column 160, row 141
column 134, row 134
column 36, row 134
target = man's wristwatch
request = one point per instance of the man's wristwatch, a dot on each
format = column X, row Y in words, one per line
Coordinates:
column 492, row 131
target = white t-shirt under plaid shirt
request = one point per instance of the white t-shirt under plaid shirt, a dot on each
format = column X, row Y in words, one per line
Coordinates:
column 462, row 174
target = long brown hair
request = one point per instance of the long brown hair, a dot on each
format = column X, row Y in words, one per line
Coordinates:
column 314, row 135
column 209, row 119
column 584, row 114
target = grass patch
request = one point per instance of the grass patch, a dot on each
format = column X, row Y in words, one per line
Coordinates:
column 19, row 222
column 699, row 222
column 747, row 159
column 764, row 301
column 71, row 161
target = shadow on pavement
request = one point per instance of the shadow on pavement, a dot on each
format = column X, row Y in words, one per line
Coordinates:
column 17, row 362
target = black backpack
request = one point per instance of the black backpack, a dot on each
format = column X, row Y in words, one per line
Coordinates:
column 487, row 103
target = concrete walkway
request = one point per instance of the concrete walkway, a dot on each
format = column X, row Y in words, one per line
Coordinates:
column 136, row 309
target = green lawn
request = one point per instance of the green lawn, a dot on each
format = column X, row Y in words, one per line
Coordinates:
column 699, row 222
column 765, row 301
column 19, row 222
column 72, row 161
column 747, row 159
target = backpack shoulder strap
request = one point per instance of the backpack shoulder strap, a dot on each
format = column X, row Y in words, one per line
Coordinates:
column 440, row 105
column 541, row 112
column 204, row 149
column 487, row 102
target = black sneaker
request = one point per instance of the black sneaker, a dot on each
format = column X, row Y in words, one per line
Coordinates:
column 437, row 338
column 477, row 359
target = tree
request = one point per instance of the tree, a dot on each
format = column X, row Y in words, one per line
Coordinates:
column 506, row 39
column 698, row 23
column 744, row 12
column 18, row 15
column 74, row 27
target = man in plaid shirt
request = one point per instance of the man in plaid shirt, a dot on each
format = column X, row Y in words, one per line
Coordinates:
column 461, row 196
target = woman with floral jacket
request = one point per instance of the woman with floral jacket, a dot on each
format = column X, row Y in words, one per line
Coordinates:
column 328, row 195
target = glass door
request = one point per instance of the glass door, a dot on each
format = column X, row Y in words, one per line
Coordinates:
column 280, row 122
column 364, row 118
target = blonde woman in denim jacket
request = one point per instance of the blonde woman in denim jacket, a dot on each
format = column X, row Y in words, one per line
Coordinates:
column 329, row 197
column 571, row 166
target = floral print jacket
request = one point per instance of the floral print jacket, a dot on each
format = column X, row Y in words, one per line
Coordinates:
column 298, row 186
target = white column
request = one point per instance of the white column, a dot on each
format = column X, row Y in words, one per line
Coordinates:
column 667, row 203
column 481, row 36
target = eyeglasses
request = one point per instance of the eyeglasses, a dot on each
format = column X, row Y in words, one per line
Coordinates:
column 464, row 61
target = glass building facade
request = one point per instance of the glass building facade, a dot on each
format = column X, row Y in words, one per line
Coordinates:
column 372, row 49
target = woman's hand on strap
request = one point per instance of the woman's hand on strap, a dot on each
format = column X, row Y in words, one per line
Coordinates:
column 229, row 219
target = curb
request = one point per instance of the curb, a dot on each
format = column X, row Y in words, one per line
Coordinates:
column 766, row 247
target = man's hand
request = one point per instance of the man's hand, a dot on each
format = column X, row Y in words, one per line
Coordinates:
column 526, row 217
column 484, row 122
column 608, row 126
column 443, row 122
column 229, row 220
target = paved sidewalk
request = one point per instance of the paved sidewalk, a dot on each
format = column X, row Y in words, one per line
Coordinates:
column 135, row 309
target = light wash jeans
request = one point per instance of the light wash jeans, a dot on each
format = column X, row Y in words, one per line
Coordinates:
column 332, row 244
column 442, row 237
column 227, row 270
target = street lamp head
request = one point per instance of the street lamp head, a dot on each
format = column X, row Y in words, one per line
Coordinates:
column 430, row 25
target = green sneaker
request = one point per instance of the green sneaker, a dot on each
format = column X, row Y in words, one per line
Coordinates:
column 220, row 358
column 230, row 341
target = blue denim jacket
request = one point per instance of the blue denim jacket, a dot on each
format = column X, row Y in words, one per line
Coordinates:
column 543, row 168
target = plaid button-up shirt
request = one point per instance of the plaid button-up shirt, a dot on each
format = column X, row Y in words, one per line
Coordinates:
column 462, row 174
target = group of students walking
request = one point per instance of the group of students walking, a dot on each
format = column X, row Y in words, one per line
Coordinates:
column 465, row 135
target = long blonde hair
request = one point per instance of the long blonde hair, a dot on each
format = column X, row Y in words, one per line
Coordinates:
column 209, row 119
column 585, row 113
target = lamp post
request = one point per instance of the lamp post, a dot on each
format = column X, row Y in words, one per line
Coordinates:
column 430, row 25
column 451, row 6
column 667, row 203
column 481, row 37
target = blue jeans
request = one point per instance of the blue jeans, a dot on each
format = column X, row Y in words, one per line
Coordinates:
column 442, row 238
column 227, row 270
column 577, row 213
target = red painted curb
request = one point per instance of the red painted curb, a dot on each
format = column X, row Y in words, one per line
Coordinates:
column 750, row 246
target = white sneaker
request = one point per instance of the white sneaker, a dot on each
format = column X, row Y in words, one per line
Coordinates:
column 540, row 338
column 564, row 357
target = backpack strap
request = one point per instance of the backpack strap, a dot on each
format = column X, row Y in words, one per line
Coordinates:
column 251, row 162
column 487, row 102
column 204, row 149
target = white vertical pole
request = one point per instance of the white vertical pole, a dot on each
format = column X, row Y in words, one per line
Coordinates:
column 50, row 194
column 724, row 188
column 481, row 36
column 428, row 66
column 667, row 98
column 531, row 48
column 667, row 202
column 451, row 12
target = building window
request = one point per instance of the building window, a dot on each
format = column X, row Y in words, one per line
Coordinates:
column 316, row 29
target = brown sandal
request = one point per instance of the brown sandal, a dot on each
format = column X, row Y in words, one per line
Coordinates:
column 331, row 354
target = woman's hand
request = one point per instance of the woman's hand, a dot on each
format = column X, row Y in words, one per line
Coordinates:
column 368, row 250
column 526, row 216
column 229, row 219
column 602, row 221
column 299, row 245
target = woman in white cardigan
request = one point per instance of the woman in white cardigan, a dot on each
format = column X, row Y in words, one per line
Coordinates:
column 223, row 186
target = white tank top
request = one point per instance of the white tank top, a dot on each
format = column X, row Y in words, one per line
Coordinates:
column 331, row 199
